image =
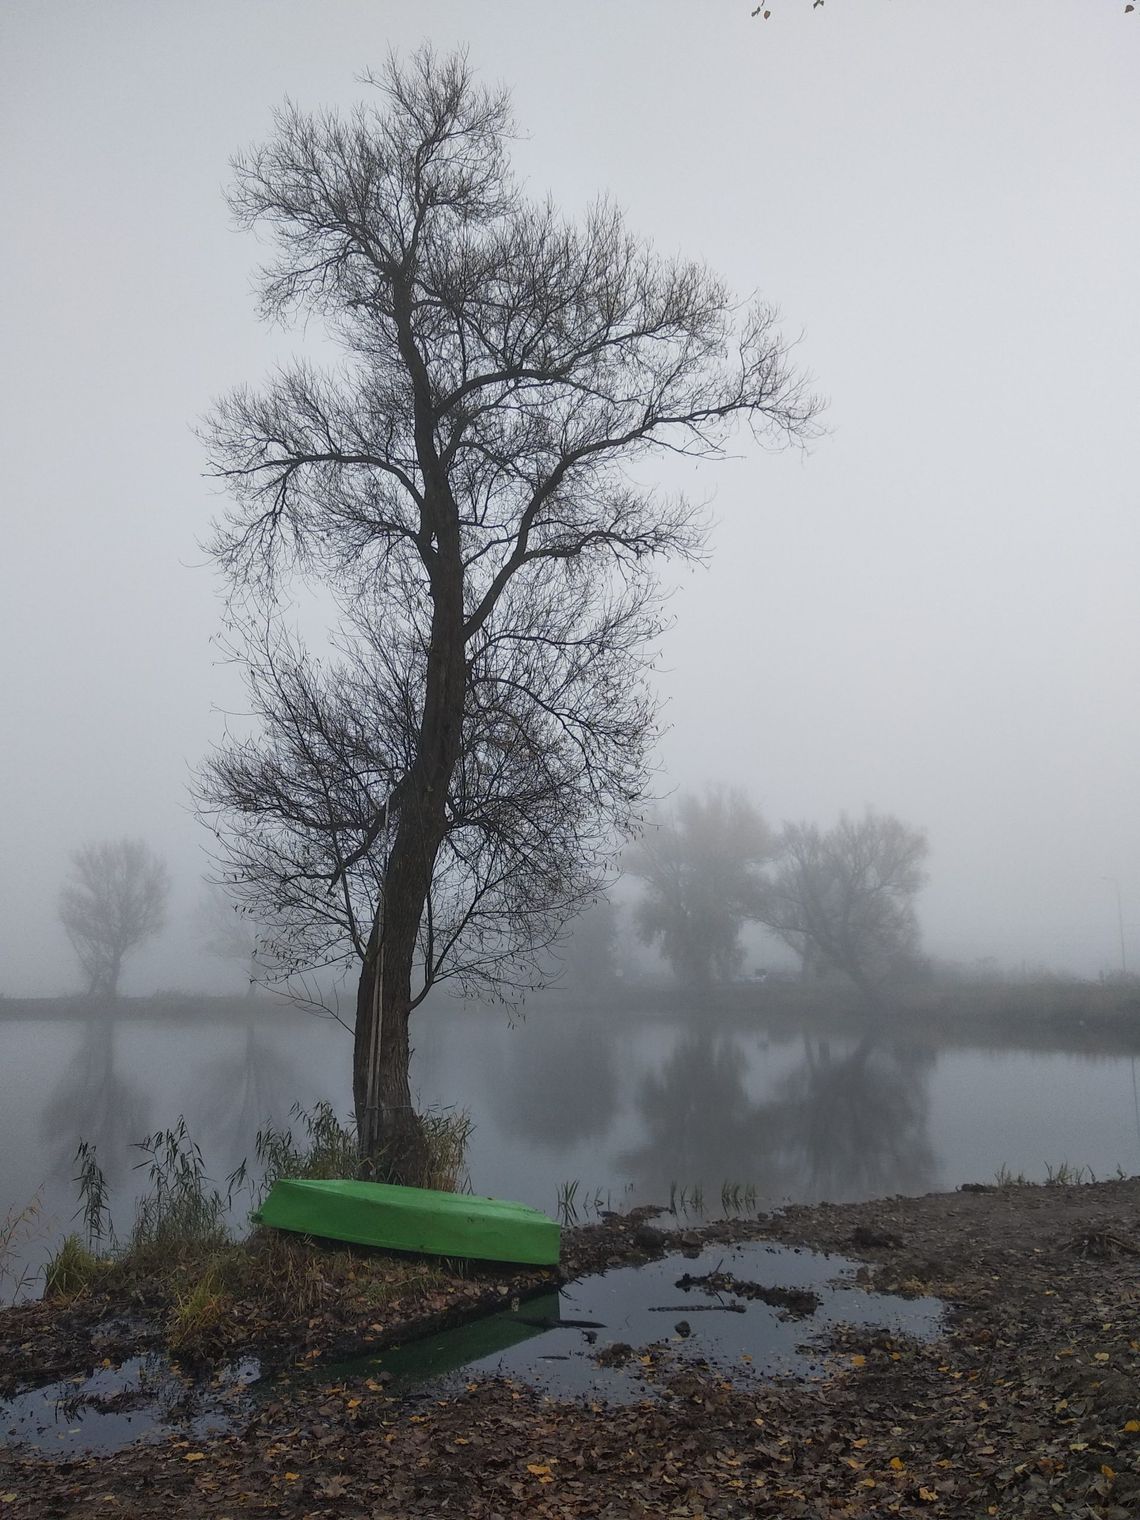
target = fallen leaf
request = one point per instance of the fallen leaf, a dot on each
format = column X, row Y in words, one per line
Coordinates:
column 194, row 1456
column 898, row 1464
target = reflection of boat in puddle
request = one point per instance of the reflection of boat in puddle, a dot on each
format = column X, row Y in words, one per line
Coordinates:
column 778, row 1307
column 434, row 1356
column 751, row 1310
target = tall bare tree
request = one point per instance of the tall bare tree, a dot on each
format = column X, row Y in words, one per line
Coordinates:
column 700, row 867
column 844, row 899
column 115, row 900
column 435, row 794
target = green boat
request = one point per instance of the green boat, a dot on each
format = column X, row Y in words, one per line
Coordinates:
column 413, row 1219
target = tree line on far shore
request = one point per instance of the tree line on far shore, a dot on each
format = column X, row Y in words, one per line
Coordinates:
column 842, row 899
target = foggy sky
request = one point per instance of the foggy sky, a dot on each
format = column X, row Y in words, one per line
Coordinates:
column 933, row 612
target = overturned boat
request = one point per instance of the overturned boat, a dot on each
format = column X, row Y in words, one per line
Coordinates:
column 413, row 1219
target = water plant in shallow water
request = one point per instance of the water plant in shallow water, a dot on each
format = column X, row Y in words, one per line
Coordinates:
column 16, row 1228
column 569, row 1206
column 1064, row 1174
column 687, row 1200
column 93, row 1196
column 567, row 1209
column 737, row 1197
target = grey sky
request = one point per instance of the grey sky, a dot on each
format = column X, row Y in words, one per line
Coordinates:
column 934, row 612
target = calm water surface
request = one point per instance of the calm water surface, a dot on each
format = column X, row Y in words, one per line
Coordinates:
column 625, row 1107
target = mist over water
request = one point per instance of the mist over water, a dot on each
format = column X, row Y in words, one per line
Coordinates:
column 634, row 1108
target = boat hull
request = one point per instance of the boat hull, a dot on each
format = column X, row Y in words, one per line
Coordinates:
column 413, row 1219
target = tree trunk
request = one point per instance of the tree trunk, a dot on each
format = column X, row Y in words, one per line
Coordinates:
column 391, row 1137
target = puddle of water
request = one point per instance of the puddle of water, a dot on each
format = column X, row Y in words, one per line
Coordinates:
column 553, row 1343
column 143, row 1399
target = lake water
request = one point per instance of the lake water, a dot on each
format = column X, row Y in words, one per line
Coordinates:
column 626, row 1107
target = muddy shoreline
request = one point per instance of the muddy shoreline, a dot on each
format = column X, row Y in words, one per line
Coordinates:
column 1028, row 1405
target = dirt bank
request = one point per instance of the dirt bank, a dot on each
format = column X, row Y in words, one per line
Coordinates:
column 1029, row 1406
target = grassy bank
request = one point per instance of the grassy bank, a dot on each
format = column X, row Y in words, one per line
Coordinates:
column 204, row 1288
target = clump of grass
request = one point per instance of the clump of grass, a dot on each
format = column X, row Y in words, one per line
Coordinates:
column 183, row 1211
column 1067, row 1175
column 1003, row 1177
column 198, row 1311
column 446, row 1135
column 327, row 1148
column 73, row 1270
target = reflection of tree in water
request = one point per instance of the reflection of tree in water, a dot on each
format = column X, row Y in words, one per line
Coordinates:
column 701, row 1125
column 854, row 1124
column 841, row 1125
column 561, row 1080
column 94, row 1102
column 244, row 1090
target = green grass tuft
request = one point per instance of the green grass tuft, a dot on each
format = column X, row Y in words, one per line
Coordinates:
column 72, row 1270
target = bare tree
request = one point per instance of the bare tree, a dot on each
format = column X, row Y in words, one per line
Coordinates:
column 435, row 795
column 115, row 900
column 844, row 899
column 699, row 865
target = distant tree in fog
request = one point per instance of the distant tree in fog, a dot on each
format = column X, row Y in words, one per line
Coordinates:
column 589, row 952
column 440, row 794
column 115, row 899
column 700, row 866
column 844, row 899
